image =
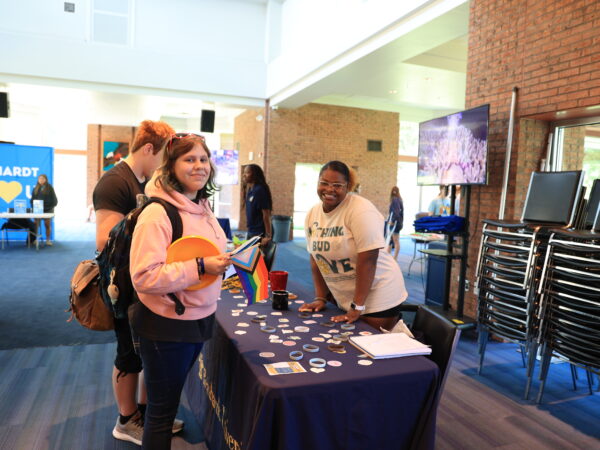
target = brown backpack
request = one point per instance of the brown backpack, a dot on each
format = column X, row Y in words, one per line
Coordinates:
column 86, row 303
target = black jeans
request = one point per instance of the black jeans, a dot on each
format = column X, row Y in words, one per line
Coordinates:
column 166, row 365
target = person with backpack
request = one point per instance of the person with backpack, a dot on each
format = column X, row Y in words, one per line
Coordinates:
column 115, row 195
column 170, row 339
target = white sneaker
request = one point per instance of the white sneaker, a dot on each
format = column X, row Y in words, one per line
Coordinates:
column 131, row 431
column 177, row 425
column 49, row 243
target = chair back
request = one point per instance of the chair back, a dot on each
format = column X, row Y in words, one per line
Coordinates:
column 442, row 335
column 553, row 197
column 268, row 252
column 593, row 206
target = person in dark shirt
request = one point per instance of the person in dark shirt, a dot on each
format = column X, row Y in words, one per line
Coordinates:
column 259, row 203
column 116, row 194
column 44, row 191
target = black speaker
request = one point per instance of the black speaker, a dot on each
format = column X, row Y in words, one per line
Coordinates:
column 207, row 121
column 3, row 104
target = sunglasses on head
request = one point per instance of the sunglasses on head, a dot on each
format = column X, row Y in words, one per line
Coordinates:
column 183, row 136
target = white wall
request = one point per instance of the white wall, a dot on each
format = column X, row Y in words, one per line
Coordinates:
column 191, row 46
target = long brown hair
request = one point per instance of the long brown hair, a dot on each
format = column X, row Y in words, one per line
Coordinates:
column 395, row 193
column 179, row 145
column 41, row 187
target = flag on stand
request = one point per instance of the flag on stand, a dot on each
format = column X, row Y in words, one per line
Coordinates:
column 252, row 271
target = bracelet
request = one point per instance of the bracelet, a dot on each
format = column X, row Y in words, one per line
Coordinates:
column 296, row 355
column 337, row 348
column 323, row 299
column 310, row 348
column 317, row 362
column 201, row 269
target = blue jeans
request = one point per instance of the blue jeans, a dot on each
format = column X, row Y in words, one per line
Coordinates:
column 166, row 365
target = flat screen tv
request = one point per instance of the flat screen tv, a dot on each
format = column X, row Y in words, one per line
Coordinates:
column 453, row 148
column 553, row 197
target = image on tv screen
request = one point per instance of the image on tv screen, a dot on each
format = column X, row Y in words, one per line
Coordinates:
column 226, row 163
column 453, row 148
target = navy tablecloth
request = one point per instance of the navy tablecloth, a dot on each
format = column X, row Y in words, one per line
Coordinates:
column 348, row 407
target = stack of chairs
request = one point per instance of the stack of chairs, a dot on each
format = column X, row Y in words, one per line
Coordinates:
column 570, row 297
column 509, row 265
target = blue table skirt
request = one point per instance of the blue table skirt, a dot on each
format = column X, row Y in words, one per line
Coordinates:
column 348, row 407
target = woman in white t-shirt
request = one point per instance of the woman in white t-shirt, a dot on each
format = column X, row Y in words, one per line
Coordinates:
column 344, row 236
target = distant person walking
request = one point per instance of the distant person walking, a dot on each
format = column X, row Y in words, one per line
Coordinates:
column 44, row 191
column 396, row 212
column 259, row 203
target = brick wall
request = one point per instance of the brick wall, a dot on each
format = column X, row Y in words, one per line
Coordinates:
column 573, row 148
column 319, row 133
column 316, row 134
column 549, row 50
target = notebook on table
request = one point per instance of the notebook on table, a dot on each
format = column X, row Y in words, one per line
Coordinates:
column 389, row 345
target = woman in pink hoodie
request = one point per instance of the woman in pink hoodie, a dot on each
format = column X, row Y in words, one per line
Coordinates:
column 170, row 343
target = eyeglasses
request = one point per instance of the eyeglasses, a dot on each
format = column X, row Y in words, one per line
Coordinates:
column 336, row 186
column 183, row 136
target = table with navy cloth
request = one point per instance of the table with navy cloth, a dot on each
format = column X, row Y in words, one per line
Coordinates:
column 241, row 406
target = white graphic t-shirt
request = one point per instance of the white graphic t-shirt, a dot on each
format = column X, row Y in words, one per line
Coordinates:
column 334, row 240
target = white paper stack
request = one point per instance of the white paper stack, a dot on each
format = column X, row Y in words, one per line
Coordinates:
column 389, row 345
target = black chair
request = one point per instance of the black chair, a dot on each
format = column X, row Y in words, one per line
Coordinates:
column 268, row 252
column 442, row 335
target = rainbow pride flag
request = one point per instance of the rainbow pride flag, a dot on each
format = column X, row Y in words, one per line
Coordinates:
column 252, row 271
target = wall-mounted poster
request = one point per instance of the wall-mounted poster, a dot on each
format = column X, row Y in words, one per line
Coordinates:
column 113, row 153
column 226, row 162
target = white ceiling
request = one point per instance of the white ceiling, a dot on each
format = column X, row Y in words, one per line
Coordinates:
column 420, row 75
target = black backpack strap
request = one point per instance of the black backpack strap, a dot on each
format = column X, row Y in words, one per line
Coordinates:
column 177, row 227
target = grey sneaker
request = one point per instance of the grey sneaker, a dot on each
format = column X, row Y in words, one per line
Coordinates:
column 177, row 425
column 131, row 431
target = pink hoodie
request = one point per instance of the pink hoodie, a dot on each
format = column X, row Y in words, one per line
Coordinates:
column 152, row 278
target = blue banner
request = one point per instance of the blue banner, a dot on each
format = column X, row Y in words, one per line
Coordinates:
column 20, row 167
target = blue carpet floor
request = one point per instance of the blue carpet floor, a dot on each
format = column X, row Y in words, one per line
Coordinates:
column 34, row 286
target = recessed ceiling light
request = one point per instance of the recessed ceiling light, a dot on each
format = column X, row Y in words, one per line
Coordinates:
column 393, row 91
